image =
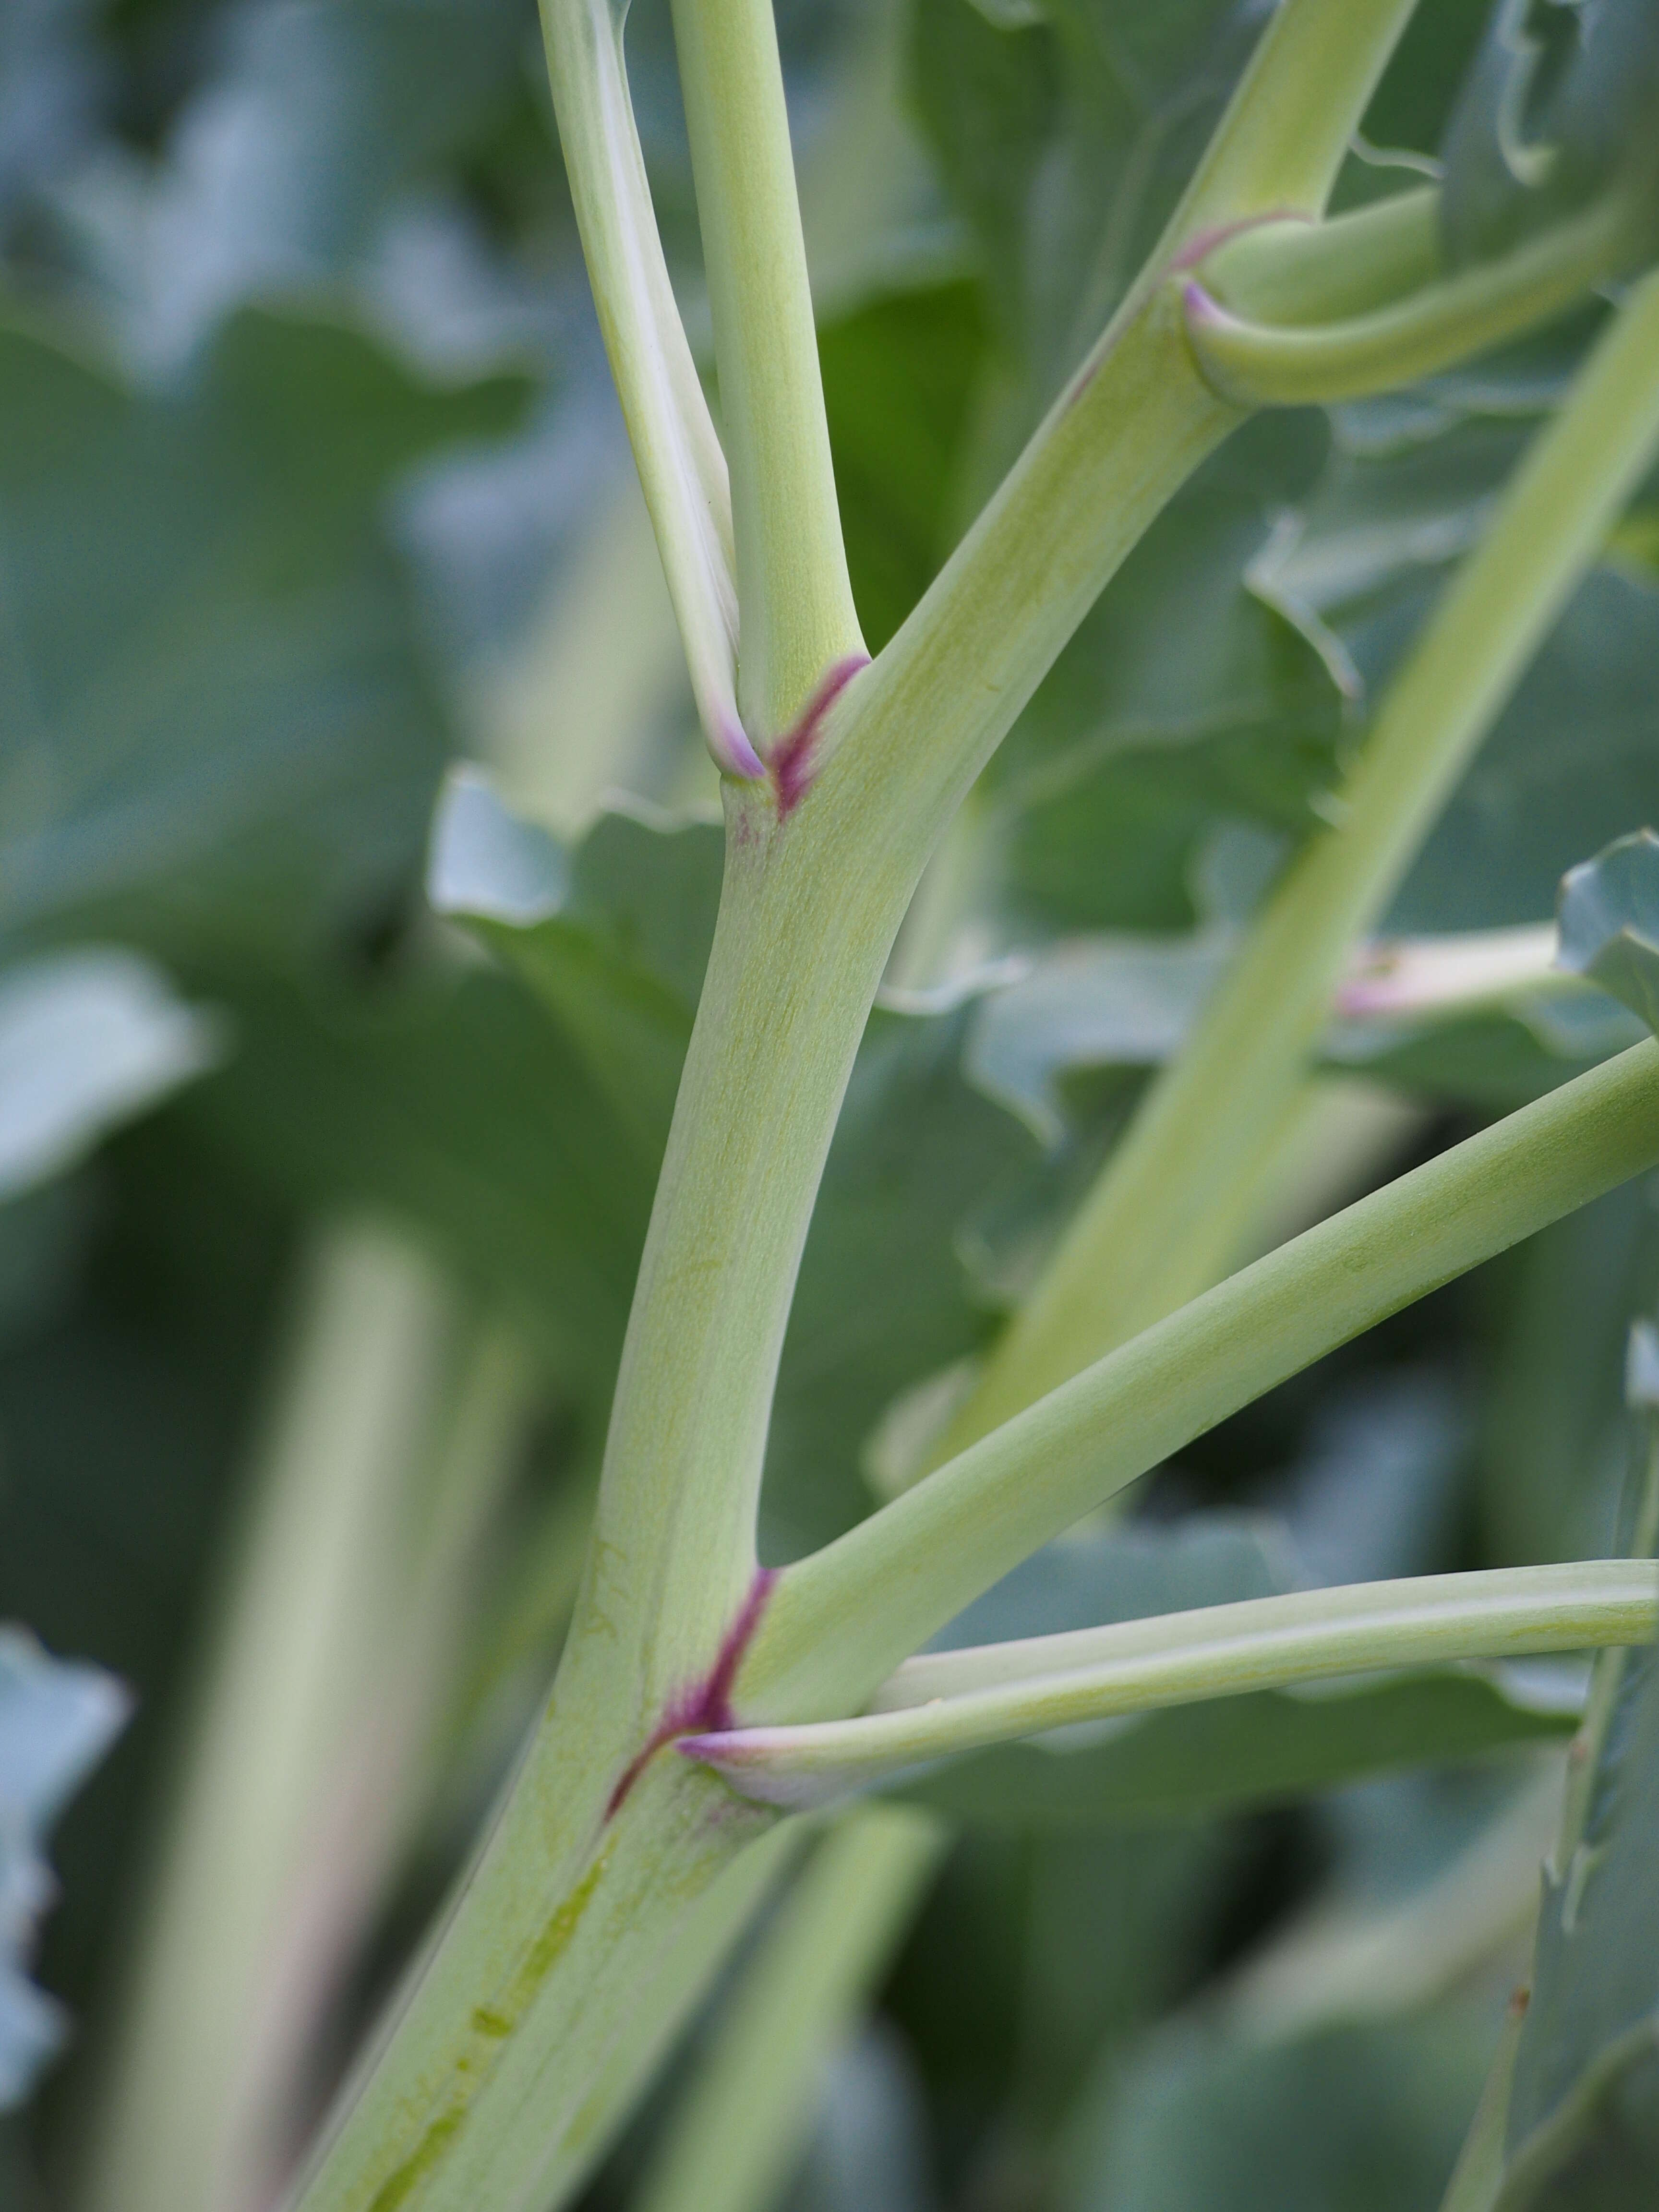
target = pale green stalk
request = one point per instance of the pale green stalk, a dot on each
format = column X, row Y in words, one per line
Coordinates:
column 680, row 465
column 502, row 2034
column 751, row 2106
column 1271, row 365
column 794, row 601
column 192, row 2111
column 952, row 1701
column 1129, row 1254
column 841, row 1621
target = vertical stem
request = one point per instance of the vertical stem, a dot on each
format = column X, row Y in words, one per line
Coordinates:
column 1131, row 1254
column 794, row 602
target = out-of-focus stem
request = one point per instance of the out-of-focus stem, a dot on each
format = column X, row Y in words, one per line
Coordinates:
column 194, row 2109
column 748, row 2110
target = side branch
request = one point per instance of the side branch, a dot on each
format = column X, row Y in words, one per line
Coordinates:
column 957, row 1701
column 1270, row 365
column 841, row 1621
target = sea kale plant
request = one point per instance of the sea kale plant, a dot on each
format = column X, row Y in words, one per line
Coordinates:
column 784, row 1730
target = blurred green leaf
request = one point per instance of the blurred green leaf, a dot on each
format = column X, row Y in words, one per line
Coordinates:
column 1367, row 2118
column 1186, row 700
column 1584, row 2119
column 222, row 722
column 87, row 1039
column 304, row 129
column 613, row 942
column 453, row 1102
column 1562, row 103
column 1096, row 1576
column 1572, row 762
column 898, row 380
column 1065, row 145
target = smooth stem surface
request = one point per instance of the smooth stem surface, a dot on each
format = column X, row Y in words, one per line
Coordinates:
column 842, row 1621
column 964, row 1700
column 1131, row 1253
column 794, row 601
column 750, row 2108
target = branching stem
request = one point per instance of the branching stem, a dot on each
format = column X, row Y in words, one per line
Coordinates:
column 842, row 1621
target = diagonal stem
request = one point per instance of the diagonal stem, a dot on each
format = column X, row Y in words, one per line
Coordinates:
column 840, row 1622
column 957, row 1701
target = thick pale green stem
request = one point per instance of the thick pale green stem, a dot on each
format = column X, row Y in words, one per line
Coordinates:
column 1128, row 1256
column 506, row 2035
column 813, row 897
column 757, row 2091
column 795, row 604
column 840, row 1622
column 700, row 1949
column 957, row 1701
